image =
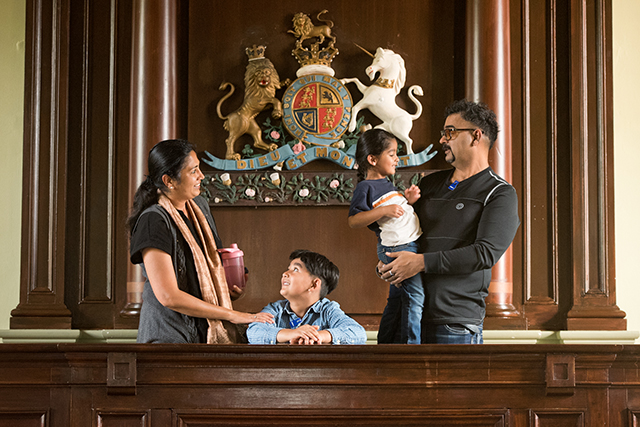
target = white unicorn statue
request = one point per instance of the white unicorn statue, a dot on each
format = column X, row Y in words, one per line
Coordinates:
column 379, row 98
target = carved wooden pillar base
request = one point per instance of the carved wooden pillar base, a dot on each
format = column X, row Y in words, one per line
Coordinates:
column 596, row 319
column 501, row 313
column 40, row 316
column 134, row 299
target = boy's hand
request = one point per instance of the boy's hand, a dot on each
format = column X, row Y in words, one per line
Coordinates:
column 304, row 335
column 412, row 194
column 321, row 337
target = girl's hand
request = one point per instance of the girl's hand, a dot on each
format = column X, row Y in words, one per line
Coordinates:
column 412, row 194
column 393, row 211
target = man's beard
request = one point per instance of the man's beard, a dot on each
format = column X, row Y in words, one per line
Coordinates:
column 453, row 157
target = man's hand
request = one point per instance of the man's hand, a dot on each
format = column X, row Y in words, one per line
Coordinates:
column 405, row 265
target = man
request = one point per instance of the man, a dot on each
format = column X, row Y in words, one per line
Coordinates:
column 306, row 317
column 469, row 216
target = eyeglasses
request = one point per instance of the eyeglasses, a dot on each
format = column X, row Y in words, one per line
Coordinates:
column 451, row 132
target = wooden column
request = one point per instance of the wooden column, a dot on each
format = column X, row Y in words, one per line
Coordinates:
column 157, row 97
column 488, row 79
column 42, row 277
column 594, row 297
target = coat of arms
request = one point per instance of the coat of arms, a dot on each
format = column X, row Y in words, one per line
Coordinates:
column 317, row 111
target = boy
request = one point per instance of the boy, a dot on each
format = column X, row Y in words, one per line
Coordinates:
column 306, row 316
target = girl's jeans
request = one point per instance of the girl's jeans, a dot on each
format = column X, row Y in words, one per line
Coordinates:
column 402, row 317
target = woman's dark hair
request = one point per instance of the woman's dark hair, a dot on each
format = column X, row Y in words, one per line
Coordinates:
column 319, row 266
column 372, row 142
column 165, row 158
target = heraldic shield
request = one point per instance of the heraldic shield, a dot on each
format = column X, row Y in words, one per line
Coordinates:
column 317, row 109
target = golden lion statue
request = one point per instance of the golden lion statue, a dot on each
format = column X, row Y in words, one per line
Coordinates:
column 304, row 29
column 261, row 81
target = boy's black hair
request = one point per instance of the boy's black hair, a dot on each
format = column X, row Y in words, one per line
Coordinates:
column 477, row 113
column 319, row 266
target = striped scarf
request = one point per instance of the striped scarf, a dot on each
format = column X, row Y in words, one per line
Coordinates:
column 213, row 283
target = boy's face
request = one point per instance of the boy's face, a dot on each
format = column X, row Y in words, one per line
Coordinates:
column 297, row 281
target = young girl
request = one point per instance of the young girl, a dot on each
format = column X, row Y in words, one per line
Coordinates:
column 378, row 204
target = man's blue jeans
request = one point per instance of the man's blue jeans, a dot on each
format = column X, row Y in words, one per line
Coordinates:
column 402, row 317
column 451, row 334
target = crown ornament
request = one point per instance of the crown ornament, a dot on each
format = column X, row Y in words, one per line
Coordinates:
column 315, row 58
column 255, row 52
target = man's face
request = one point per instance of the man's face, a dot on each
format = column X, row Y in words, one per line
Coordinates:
column 296, row 281
column 457, row 147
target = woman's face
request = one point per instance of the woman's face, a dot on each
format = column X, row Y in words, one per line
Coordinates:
column 188, row 185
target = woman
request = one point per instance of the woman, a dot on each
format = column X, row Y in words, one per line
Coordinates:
column 174, row 237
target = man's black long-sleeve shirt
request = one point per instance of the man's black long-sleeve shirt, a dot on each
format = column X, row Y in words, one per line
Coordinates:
column 465, row 232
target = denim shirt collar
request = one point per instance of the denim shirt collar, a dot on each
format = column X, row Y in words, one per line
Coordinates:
column 316, row 307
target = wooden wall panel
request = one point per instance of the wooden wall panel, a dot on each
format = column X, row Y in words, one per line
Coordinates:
column 42, row 273
column 545, row 193
column 98, row 150
column 203, row 385
column 594, row 304
column 557, row 418
column 373, row 418
column 34, row 418
column 115, row 418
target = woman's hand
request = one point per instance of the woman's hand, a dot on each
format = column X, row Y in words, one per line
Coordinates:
column 240, row 317
column 236, row 293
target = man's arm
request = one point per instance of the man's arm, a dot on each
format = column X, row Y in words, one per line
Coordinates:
column 496, row 229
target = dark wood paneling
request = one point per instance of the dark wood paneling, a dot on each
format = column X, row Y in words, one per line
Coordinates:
column 42, row 272
column 98, row 151
column 115, row 418
column 594, row 303
column 206, row 385
column 32, row 418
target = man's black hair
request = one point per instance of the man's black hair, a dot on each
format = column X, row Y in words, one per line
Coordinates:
column 477, row 113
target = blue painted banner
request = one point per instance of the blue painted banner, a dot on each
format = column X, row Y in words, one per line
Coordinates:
column 314, row 153
column 293, row 161
column 268, row 160
column 416, row 159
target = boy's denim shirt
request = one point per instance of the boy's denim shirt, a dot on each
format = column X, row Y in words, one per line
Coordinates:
column 324, row 313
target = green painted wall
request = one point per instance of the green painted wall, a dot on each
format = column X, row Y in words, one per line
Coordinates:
column 626, row 93
column 626, row 62
column 12, row 24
